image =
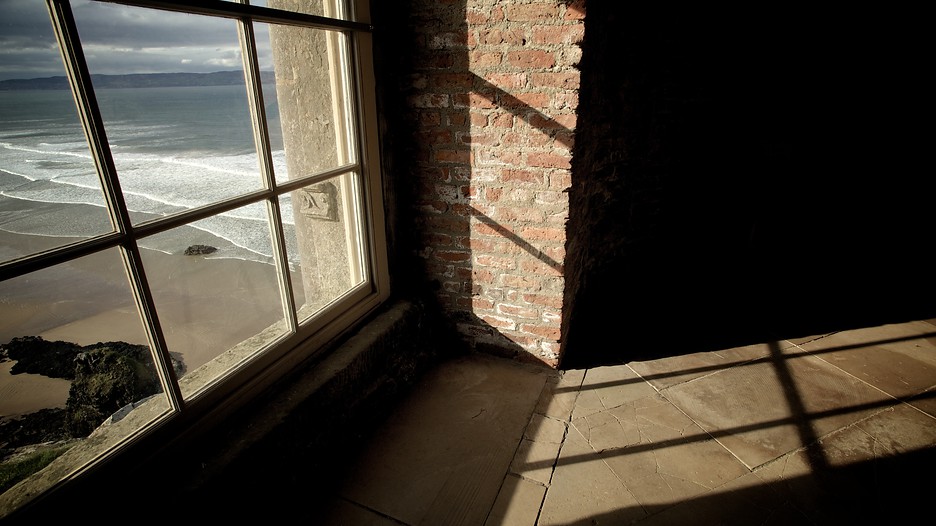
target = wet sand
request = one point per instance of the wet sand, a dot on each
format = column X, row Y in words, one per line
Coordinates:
column 205, row 306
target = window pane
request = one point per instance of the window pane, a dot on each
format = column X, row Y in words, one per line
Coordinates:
column 58, row 381
column 309, row 123
column 172, row 94
column 216, row 291
column 325, row 247
column 47, row 176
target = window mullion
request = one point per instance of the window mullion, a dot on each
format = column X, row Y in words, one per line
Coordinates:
column 79, row 77
column 265, row 155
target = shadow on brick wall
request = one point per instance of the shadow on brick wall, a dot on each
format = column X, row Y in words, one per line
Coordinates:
column 430, row 86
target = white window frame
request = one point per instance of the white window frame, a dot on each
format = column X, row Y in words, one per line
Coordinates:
column 303, row 339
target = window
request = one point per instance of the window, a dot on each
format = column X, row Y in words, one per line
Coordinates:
column 189, row 205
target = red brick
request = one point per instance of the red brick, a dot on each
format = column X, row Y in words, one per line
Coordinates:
column 473, row 100
column 452, row 80
column 430, row 118
column 575, row 10
column 540, row 267
column 493, row 194
column 436, row 239
column 482, row 303
column 481, row 138
column 452, row 156
column 483, row 229
column 438, row 61
column 522, row 176
column 498, row 322
column 504, row 120
column 448, row 40
column 554, row 301
column 499, row 156
column 559, row 79
column 436, row 136
column 453, row 286
column 478, row 119
column 481, row 59
column 560, row 180
column 543, row 234
column 488, row 260
column 430, row 100
column 537, row 12
column 538, row 330
column 495, row 36
column 548, row 160
column 507, row 80
column 528, row 99
column 531, row 59
column 542, row 122
column 567, row 34
column 517, row 310
column 515, row 139
column 519, row 214
column 521, row 282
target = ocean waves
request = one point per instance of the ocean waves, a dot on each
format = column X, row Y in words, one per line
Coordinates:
column 47, row 173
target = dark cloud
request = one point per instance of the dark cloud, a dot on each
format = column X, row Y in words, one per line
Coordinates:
column 120, row 39
column 27, row 44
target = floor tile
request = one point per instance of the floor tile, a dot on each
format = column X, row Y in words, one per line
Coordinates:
column 585, row 490
column 607, row 387
column 765, row 409
column 518, row 503
column 537, row 452
column 442, row 456
column 666, row 372
column 856, row 476
column 664, row 457
column 703, row 439
column 899, row 359
column 560, row 393
column 345, row 513
column 741, row 502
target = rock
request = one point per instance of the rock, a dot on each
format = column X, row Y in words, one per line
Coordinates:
column 107, row 377
column 200, row 250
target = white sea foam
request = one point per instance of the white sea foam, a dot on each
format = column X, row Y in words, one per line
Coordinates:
column 165, row 164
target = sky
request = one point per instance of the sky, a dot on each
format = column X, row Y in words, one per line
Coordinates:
column 119, row 39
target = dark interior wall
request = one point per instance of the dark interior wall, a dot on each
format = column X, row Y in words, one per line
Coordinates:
column 740, row 175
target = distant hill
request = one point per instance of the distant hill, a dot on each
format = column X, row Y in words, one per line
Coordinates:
column 136, row 80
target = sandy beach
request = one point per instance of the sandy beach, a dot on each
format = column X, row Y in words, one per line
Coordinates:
column 205, row 307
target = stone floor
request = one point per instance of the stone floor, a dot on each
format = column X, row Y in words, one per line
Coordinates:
column 828, row 429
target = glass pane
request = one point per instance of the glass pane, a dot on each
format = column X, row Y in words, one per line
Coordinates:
column 324, row 242
column 172, row 94
column 307, row 107
column 74, row 363
column 49, row 186
column 216, row 292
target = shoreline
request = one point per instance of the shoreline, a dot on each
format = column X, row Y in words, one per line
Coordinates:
column 205, row 306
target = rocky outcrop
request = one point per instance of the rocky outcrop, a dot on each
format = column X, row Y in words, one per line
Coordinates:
column 106, row 377
column 200, row 250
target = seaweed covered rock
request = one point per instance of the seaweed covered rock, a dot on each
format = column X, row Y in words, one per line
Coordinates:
column 200, row 250
column 105, row 376
column 106, row 379
column 45, row 425
column 37, row 356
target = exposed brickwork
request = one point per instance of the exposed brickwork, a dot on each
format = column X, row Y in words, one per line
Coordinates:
column 493, row 94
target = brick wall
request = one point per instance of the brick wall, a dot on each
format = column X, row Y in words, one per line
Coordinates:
column 491, row 96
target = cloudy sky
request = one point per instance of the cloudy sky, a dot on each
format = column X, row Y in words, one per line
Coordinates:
column 119, row 39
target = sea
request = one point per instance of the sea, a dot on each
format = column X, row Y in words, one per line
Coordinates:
column 174, row 149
